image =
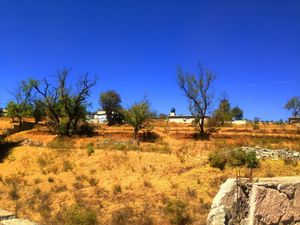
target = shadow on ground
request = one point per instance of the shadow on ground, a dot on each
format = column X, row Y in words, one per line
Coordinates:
column 5, row 148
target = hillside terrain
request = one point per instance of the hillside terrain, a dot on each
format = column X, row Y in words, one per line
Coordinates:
column 43, row 176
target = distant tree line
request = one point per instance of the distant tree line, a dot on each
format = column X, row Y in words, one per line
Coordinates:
column 65, row 106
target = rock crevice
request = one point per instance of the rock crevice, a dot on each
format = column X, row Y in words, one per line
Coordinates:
column 265, row 201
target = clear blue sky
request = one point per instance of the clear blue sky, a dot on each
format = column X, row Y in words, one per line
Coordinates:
column 134, row 47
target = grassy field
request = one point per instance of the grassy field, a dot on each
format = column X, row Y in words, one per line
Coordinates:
column 123, row 183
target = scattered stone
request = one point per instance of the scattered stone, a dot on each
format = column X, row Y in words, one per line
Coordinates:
column 264, row 153
column 29, row 142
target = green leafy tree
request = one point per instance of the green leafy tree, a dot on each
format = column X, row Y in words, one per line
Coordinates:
column 65, row 107
column 21, row 107
column 110, row 102
column 237, row 113
column 294, row 105
column 197, row 87
column 138, row 115
column 223, row 113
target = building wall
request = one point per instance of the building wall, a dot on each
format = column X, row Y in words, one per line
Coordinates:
column 181, row 120
column 239, row 122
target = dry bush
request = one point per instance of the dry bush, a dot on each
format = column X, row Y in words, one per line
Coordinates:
column 178, row 212
column 123, row 216
column 61, row 143
column 163, row 147
column 78, row 215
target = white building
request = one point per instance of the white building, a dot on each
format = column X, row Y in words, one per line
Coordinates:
column 239, row 122
column 100, row 116
column 173, row 118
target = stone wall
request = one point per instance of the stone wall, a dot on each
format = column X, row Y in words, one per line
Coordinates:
column 265, row 201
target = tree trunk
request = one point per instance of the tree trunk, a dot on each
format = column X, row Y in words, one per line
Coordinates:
column 20, row 123
column 135, row 136
column 135, row 133
column 202, row 132
column 68, row 126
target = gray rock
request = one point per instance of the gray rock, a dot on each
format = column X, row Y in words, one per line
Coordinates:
column 17, row 222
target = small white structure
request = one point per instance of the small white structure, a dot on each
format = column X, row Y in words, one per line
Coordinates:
column 100, row 116
column 239, row 122
column 173, row 118
column 181, row 119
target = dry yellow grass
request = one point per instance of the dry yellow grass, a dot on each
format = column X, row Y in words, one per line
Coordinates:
column 113, row 177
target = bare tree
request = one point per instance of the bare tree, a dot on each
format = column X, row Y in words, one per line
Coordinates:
column 198, row 89
column 64, row 107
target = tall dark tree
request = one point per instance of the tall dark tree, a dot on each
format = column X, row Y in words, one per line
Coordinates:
column 64, row 107
column 237, row 113
column 38, row 111
column 110, row 102
column 197, row 87
column 22, row 104
column 294, row 105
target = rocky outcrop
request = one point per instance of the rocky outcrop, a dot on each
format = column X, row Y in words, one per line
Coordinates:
column 273, row 154
column 265, row 201
column 8, row 218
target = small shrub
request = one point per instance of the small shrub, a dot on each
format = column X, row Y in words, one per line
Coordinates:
column 217, row 160
column 191, row 192
column 290, row 161
column 67, row 165
column 86, row 129
column 147, row 184
column 234, row 157
column 77, row 215
column 61, row 143
column 251, row 160
column 117, row 189
column 60, row 188
column 78, row 185
column 37, row 181
column 177, row 211
column 37, row 191
column 237, row 157
column 14, row 193
column 90, row 149
column 144, row 217
column 42, row 162
column 122, row 216
column 182, row 154
column 149, row 136
column 255, row 126
column 93, row 181
column 50, row 179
